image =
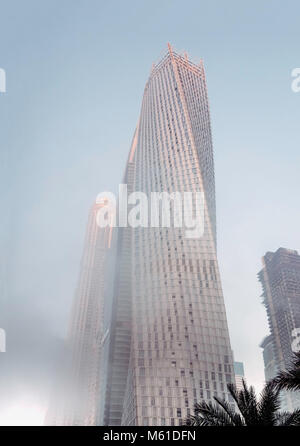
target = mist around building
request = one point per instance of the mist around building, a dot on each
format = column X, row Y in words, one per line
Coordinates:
column 149, row 236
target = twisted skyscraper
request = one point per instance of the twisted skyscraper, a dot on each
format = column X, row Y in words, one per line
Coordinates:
column 179, row 350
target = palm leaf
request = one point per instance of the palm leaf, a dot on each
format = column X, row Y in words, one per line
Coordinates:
column 251, row 411
column 208, row 414
column 247, row 403
column 268, row 405
column 290, row 379
column 236, row 418
column 288, row 419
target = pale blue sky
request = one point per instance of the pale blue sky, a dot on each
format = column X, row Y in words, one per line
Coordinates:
column 76, row 71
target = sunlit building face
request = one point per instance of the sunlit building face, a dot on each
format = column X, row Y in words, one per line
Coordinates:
column 180, row 350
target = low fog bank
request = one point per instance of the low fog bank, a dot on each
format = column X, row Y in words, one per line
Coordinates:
column 28, row 367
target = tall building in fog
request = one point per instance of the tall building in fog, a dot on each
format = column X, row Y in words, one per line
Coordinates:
column 280, row 279
column 81, row 390
column 179, row 350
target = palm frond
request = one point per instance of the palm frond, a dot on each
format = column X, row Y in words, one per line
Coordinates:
column 250, row 411
column 208, row 414
column 194, row 420
column 288, row 419
column 268, row 405
column 296, row 360
column 247, row 402
column 289, row 379
column 236, row 418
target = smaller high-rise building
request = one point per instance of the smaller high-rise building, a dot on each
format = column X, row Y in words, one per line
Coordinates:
column 239, row 374
column 280, row 279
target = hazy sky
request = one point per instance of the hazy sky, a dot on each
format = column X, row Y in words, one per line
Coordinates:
column 76, row 71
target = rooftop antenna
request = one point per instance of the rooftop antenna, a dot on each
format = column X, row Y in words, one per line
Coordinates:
column 201, row 65
column 170, row 49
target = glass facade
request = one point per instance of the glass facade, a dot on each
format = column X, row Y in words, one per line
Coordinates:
column 180, row 350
